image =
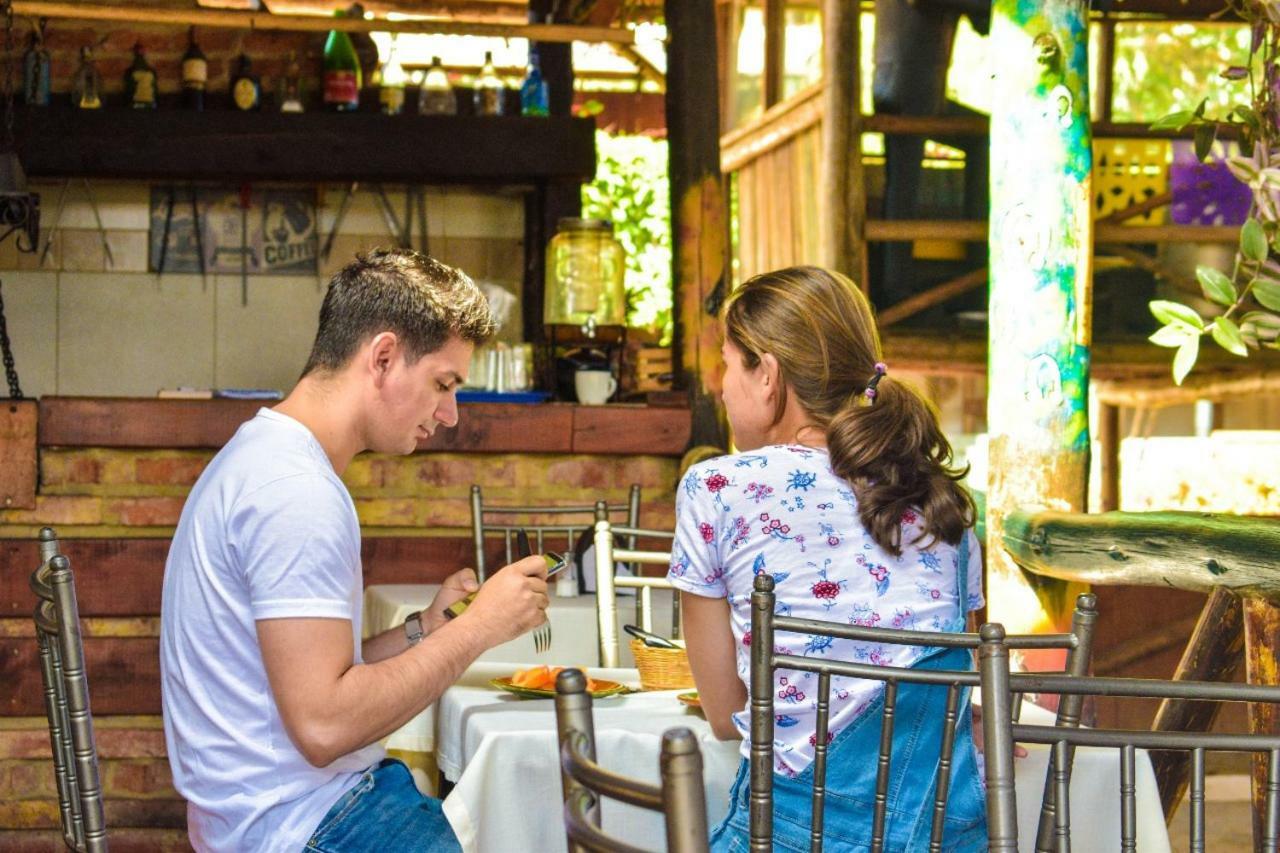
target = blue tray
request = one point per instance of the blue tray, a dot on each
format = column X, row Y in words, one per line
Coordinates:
column 503, row 396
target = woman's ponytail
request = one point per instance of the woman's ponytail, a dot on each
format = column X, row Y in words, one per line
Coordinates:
column 890, row 449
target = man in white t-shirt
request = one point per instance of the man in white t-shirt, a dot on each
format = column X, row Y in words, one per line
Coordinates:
column 273, row 706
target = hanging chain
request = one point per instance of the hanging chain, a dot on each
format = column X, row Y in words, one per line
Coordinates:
column 10, row 370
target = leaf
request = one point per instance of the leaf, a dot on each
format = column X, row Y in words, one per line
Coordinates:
column 1173, row 335
column 1176, row 313
column 1234, row 72
column 1253, row 241
column 1204, row 102
column 1250, row 117
column 1216, row 286
column 1227, row 334
column 1205, row 136
column 1174, row 121
column 1263, row 324
column 1244, row 169
column 1267, row 292
column 1185, row 359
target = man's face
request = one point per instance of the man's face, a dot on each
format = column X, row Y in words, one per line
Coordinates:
column 418, row 398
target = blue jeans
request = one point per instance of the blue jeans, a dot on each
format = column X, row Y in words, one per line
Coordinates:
column 851, row 782
column 384, row 811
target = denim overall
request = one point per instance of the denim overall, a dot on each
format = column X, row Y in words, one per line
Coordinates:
column 852, row 767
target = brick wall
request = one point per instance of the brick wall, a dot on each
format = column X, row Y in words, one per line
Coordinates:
column 125, row 494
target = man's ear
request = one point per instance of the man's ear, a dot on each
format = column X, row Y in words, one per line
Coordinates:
column 384, row 349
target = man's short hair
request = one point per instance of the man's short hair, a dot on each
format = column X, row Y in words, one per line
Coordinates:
column 424, row 302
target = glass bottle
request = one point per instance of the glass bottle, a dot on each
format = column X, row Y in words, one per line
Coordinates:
column 391, row 80
column 342, row 79
column 195, row 74
column 291, row 86
column 246, row 91
column 534, row 100
column 35, row 72
column 140, row 82
column 86, row 92
column 489, row 89
column 585, row 276
column 436, row 97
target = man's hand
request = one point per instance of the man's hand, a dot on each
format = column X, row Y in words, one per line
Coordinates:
column 511, row 602
column 456, row 587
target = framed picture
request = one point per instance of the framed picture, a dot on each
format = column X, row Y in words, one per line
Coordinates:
column 223, row 230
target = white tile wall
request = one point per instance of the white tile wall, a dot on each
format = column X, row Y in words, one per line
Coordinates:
column 265, row 343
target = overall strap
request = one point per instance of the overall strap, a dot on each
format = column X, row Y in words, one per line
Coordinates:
column 962, row 580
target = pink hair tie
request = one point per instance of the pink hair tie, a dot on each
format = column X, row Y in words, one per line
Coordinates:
column 881, row 370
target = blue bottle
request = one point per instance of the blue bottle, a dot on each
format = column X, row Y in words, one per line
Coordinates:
column 35, row 73
column 534, row 100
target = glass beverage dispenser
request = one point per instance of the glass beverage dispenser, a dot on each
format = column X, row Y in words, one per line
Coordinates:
column 585, row 268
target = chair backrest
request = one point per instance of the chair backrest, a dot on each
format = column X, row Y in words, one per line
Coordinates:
column 488, row 520
column 680, row 797
column 1000, row 734
column 608, row 555
column 765, row 623
column 66, row 694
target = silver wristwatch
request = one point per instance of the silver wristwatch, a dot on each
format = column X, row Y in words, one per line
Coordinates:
column 413, row 628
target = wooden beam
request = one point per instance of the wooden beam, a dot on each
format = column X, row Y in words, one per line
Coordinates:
column 976, row 231
column 1109, row 464
column 775, row 50
column 772, row 129
column 933, row 296
column 1258, row 383
column 842, row 203
column 1214, row 653
column 307, row 23
column 1155, row 202
column 699, row 211
column 1181, row 550
column 1106, row 85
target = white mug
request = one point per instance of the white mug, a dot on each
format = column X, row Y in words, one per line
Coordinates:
column 594, row 386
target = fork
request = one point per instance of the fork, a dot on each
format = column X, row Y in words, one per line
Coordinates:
column 541, row 634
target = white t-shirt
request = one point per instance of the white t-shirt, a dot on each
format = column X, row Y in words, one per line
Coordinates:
column 782, row 510
column 268, row 531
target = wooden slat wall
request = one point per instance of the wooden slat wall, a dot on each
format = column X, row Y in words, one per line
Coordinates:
column 778, row 205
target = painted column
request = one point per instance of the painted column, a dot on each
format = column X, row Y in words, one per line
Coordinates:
column 1041, row 244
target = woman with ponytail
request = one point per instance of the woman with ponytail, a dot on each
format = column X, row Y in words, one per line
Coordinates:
column 844, row 492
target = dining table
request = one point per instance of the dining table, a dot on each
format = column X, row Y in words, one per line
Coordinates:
column 499, row 751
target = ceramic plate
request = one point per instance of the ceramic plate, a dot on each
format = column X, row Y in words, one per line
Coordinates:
column 690, row 699
column 602, row 688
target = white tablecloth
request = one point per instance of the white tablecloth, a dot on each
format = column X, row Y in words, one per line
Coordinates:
column 501, row 752
column 573, row 640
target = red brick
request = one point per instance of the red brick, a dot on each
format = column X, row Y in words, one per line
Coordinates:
column 169, row 470
column 57, row 509
column 143, row 779
column 126, row 840
column 594, row 472
column 160, row 41
column 445, row 512
column 60, row 38
column 63, row 468
column 143, row 512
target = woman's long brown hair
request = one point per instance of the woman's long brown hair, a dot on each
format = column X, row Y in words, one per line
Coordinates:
column 892, row 452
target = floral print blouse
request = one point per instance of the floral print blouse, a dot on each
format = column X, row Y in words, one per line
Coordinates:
column 782, row 510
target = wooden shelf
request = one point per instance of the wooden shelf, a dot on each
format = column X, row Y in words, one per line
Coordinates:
column 312, row 147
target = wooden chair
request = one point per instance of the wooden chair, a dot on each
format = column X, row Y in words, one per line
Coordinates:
column 608, row 581
column 66, row 695
column 489, row 520
column 1000, row 734
column 764, row 660
column 680, row 797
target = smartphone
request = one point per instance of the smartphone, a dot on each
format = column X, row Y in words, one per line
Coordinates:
column 555, row 563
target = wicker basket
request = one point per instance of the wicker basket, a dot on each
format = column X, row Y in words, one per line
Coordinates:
column 662, row 669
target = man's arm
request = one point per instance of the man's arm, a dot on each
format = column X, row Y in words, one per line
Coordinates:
column 331, row 706
column 393, row 641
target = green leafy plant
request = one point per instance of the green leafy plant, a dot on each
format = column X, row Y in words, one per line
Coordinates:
column 630, row 190
column 1250, row 295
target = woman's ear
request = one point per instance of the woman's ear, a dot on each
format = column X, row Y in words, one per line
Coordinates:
column 770, row 372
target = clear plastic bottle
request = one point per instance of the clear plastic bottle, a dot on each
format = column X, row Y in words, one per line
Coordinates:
column 436, row 97
column 87, row 87
column 391, row 80
column 489, row 89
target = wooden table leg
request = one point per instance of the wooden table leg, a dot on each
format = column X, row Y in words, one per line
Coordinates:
column 1213, row 654
column 1262, row 642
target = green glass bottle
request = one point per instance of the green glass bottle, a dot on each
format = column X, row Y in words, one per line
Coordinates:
column 246, row 91
column 140, row 82
column 342, row 78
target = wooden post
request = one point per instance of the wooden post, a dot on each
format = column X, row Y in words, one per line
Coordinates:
column 1041, row 238
column 1213, row 653
column 1109, row 450
column 775, row 50
column 699, row 211
column 1262, row 644
column 729, row 26
column 843, row 203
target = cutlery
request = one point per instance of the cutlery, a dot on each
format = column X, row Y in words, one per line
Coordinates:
column 649, row 639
